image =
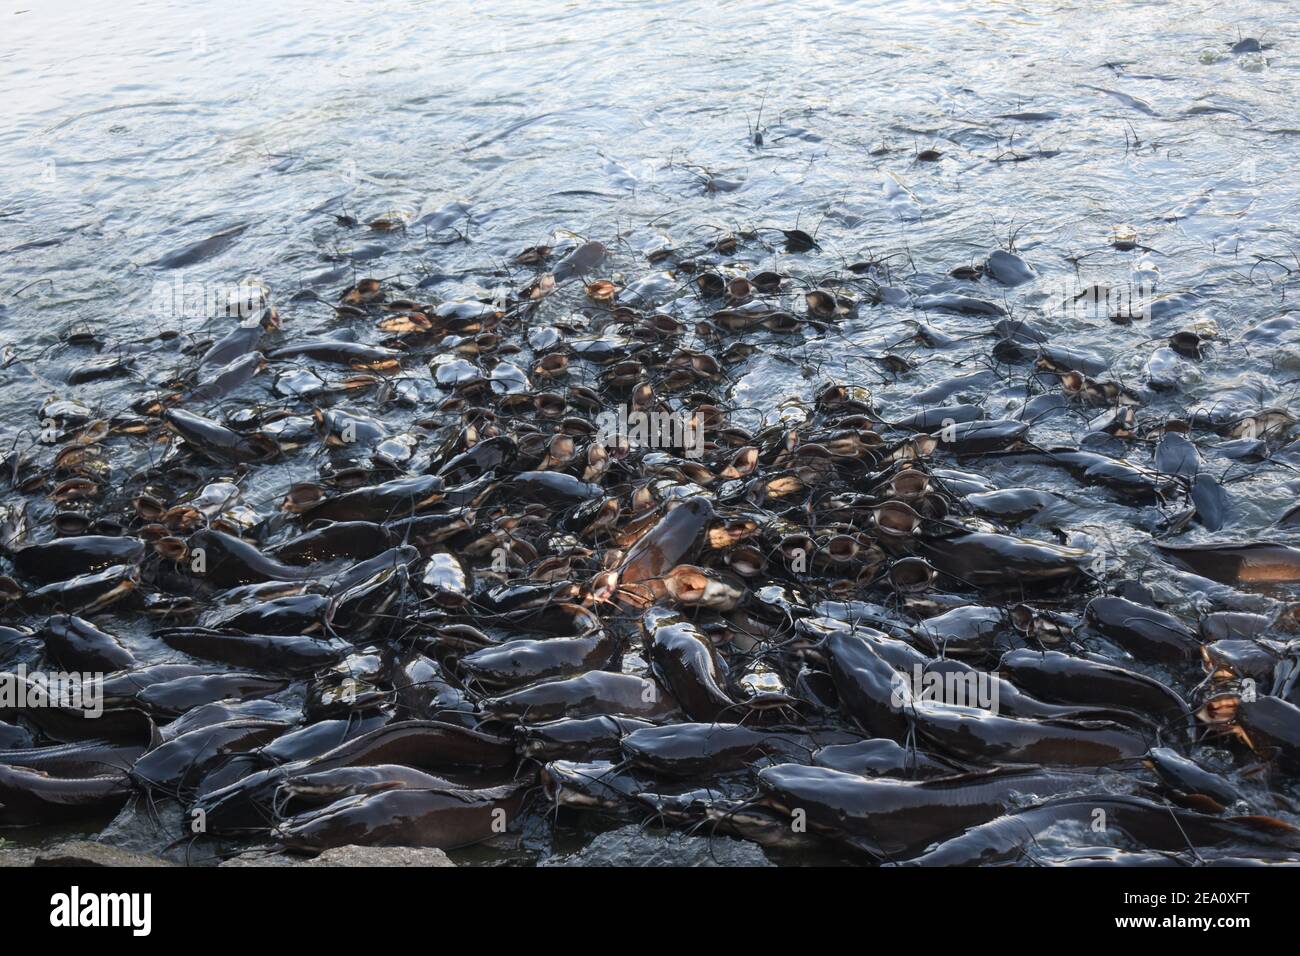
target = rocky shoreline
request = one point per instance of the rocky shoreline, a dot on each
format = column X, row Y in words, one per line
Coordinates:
column 89, row 853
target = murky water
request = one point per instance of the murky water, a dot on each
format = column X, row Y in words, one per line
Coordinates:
column 134, row 130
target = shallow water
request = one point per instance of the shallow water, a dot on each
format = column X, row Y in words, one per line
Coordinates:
column 136, row 129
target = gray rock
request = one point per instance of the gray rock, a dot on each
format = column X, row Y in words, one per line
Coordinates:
column 16, row 855
column 144, row 826
column 632, row 846
column 350, row 856
column 88, row 853
column 264, row 858
column 158, row 828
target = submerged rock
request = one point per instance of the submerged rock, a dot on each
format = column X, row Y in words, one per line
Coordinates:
column 633, row 846
column 349, row 856
column 156, row 828
column 81, row 853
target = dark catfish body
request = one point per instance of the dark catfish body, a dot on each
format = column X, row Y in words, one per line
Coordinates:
column 1273, row 727
column 239, row 343
column 577, row 738
column 352, row 354
column 65, row 558
column 552, row 487
column 424, row 744
column 86, row 593
column 1011, row 504
column 978, row 735
column 484, row 458
column 1133, row 482
column 1188, row 777
column 888, row 817
column 226, row 379
column 980, row 437
column 1256, row 563
column 592, row 694
column 292, row 747
column 215, row 441
column 1150, row 824
column 584, row 258
column 445, row 818
column 201, row 249
column 424, row 692
column 525, row 661
column 228, row 561
column 124, row 725
column 881, row 757
column 1233, row 625
column 871, row 689
column 985, row 560
column 339, row 539
column 13, row 738
column 76, row 644
column 244, row 804
column 318, row 738
column 378, row 503
column 173, row 698
column 179, row 763
column 291, row 615
column 90, row 758
column 684, row 662
column 962, row 632
column 222, row 711
column 1007, row 267
column 429, row 530
column 664, row 546
column 122, row 688
column 445, row 579
column 378, row 567
column 594, row 784
column 17, row 644
column 326, row 786
column 1144, row 632
column 1003, row 694
column 282, row 654
column 1057, row 677
column 683, row 750
column 30, row 796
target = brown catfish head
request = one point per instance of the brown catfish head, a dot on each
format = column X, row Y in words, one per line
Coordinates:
column 746, row 560
column 302, row 496
column 172, row 548
column 908, row 484
column 1220, row 713
column 1045, row 627
column 699, row 587
column 9, row 589
column 894, row 519
column 911, row 575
